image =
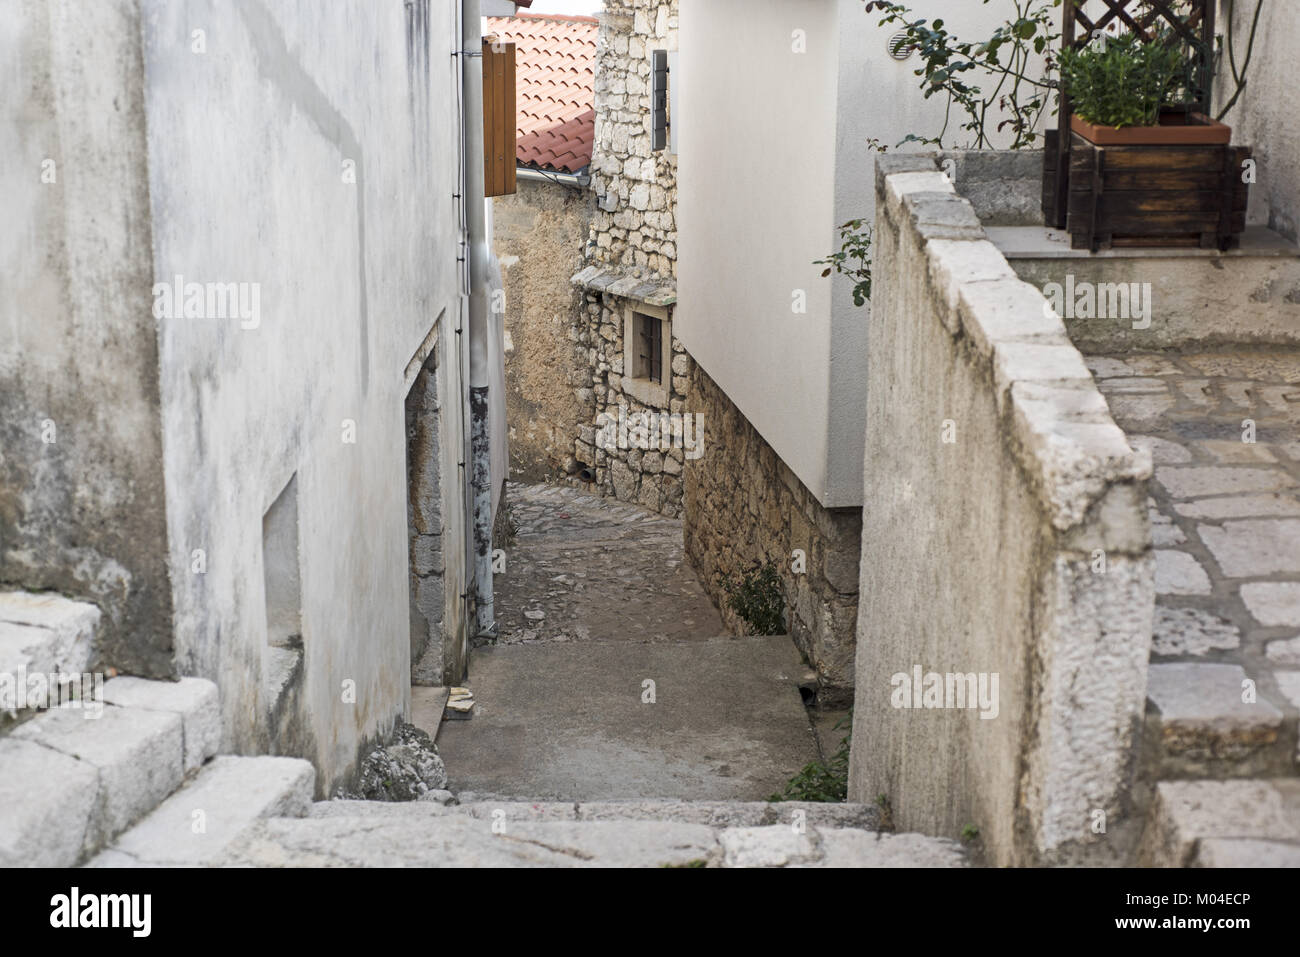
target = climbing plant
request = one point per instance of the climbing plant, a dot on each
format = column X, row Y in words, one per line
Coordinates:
column 853, row 259
column 1021, row 91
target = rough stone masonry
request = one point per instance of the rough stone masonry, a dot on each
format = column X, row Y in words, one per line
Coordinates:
column 631, row 264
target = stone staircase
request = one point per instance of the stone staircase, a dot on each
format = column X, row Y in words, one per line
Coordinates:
column 1223, row 786
column 75, row 779
column 141, row 785
column 144, row 770
column 131, row 778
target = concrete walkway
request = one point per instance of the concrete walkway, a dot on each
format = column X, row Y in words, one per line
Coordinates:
column 617, row 686
column 574, row 721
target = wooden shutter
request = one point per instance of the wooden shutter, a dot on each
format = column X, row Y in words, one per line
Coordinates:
column 498, row 117
column 659, row 100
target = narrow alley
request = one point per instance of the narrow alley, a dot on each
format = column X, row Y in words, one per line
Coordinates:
column 648, row 433
column 613, row 677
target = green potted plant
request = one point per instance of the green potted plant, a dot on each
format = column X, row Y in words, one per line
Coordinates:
column 1146, row 166
column 1128, row 92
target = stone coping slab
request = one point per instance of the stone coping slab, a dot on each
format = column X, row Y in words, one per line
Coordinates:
column 1072, row 451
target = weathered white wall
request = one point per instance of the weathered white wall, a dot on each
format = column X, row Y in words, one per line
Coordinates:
column 1266, row 116
column 755, row 208
column 247, row 146
column 773, row 157
column 81, row 507
column 308, row 150
column 996, row 476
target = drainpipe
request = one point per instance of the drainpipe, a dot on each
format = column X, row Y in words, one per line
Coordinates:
column 574, row 180
column 480, row 472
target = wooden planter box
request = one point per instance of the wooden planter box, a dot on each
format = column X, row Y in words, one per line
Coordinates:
column 1177, row 184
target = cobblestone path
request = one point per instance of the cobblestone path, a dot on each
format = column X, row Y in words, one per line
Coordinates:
column 583, row 567
column 1223, row 428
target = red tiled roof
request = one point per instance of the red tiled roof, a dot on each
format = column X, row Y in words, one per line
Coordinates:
column 555, row 99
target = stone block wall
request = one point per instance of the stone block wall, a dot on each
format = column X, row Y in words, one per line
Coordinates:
column 631, row 255
column 156, row 489
column 636, row 188
column 82, row 499
column 634, row 468
column 1005, row 534
column 744, row 503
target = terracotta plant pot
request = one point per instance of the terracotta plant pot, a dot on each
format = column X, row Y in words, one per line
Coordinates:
column 1175, row 129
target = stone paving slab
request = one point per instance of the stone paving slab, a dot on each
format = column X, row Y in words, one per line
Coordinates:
column 1205, row 725
column 427, row 706
column 46, row 801
column 1223, row 428
column 1256, row 548
column 139, row 756
column 1228, row 852
column 784, row 847
column 1285, row 651
column 1187, row 813
column 45, row 633
column 568, row 721
column 463, row 841
column 710, row 813
column 196, row 700
column 1191, row 632
column 1274, row 604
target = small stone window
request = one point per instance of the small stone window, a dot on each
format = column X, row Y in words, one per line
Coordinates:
column 647, row 354
column 649, row 332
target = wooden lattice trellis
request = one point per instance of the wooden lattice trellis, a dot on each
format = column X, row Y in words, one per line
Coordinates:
column 1191, row 21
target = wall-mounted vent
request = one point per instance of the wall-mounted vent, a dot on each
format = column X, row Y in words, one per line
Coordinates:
column 900, row 47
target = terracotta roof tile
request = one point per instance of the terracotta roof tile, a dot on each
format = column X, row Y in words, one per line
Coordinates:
column 555, row 76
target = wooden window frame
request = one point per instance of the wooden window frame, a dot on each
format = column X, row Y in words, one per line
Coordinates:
column 637, row 382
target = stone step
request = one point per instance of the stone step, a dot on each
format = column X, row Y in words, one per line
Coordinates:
column 1210, row 721
column 75, row 778
column 708, row 813
column 41, row 634
column 198, row 823
column 195, row 700
column 1254, row 823
column 48, row 799
column 428, row 835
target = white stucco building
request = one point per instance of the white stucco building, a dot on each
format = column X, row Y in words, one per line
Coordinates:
column 264, row 480
column 775, row 153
